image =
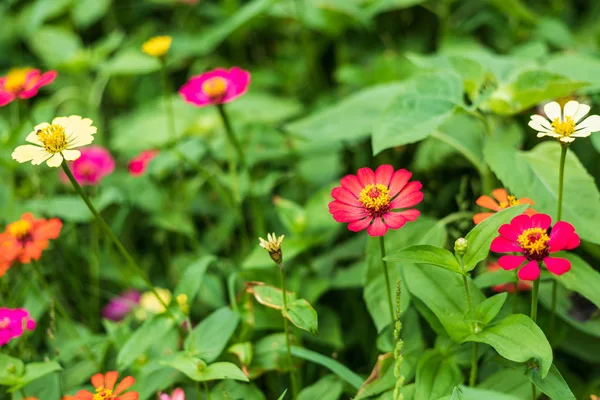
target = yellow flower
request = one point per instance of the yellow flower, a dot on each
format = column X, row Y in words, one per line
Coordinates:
column 157, row 46
column 150, row 303
column 54, row 142
column 183, row 303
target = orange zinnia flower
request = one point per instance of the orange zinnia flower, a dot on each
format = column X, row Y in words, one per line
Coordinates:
column 104, row 385
column 504, row 200
column 26, row 239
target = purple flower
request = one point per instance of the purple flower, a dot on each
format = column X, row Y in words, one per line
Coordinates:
column 120, row 306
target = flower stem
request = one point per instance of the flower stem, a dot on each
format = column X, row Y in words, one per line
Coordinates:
column 207, row 390
column 231, row 136
column 287, row 334
column 534, row 299
column 387, row 278
column 128, row 257
column 473, row 376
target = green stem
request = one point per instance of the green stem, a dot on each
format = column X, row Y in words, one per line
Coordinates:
column 561, row 178
column 473, row 376
column 128, row 257
column 287, row 334
column 533, row 393
column 387, row 278
column 231, row 136
column 534, row 299
column 467, row 293
column 208, row 395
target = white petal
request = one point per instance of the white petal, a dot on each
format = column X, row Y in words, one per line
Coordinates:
column 567, row 139
column 552, row 110
column 78, row 140
column 551, row 134
column 71, row 155
column 582, row 133
column 570, row 108
column 55, row 160
column 33, row 138
column 592, row 123
column 581, row 112
column 540, row 125
column 40, row 126
column 27, row 152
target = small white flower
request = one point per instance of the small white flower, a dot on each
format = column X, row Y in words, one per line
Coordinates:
column 564, row 124
column 272, row 244
column 53, row 142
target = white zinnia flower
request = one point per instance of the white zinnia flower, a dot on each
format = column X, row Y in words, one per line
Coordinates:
column 53, row 142
column 564, row 124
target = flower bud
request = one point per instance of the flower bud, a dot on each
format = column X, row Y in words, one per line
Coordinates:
column 460, row 246
column 273, row 246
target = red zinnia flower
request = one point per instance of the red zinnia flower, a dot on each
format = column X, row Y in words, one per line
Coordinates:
column 104, row 385
column 370, row 200
column 534, row 239
column 508, row 287
column 503, row 200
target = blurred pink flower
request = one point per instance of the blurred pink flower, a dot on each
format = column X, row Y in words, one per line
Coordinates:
column 216, row 87
column 118, row 307
column 178, row 394
column 94, row 164
column 23, row 83
column 12, row 323
column 138, row 164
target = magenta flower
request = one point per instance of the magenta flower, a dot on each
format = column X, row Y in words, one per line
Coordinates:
column 138, row 164
column 178, row 394
column 216, row 87
column 13, row 322
column 91, row 167
column 120, row 306
column 23, row 83
column 534, row 239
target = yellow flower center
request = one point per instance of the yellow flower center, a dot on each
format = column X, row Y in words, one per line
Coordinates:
column 157, row 46
column 215, row 87
column 564, row 128
column 512, row 201
column 375, row 198
column 534, row 242
column 20, row 229
column 54, row 138
column 4, row 323
column 15, row 79
column 104, row 394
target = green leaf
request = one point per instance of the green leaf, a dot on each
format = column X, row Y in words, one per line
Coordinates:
column 426, row 254
column 425, row 102
column 191, row 279
column 471, row 393
column 334, row 366
column 197, row 370
column 303, row 315
column 577, row 67
column 86, row 12
column 553, row 384
column 282, row 395
column 130, row 62
column 262, row 107
column 55, row 45
column 517, row 338
column 327, row 388
column 480, row 237
column 291, row 214
column 436, row 376
column 487, row 310
column 534, row 174
column 209, row 338
column 151, row 331
column 582, row 278
column 499, row 277
column 34, row 371
column 269, row 296
column 11, row 369
column 223, row 370
column 519, row 388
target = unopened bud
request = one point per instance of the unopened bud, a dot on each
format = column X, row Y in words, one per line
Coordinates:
column 273, row 246
column 460, row 246
column 183, row 303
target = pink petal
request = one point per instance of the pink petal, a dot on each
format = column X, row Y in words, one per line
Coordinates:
column 359, row 225
column 521, row 223
column 541, row 221
column 511, row 262
column 530, row 272
column 574, row 241
column 409, row 215
column 409, row 196
column 502, row 245
column 383, row 174
column 394, row 220
column 557, row 266
column 345, row 196
column 239, row 81
column 399, row 180
column 348, row 216
column 366, row 176
column 178, row 394
column 509, row 232
column 377, row 228
column 5, row 98
column 560, row 235
column 352, row 183
column 336, row 206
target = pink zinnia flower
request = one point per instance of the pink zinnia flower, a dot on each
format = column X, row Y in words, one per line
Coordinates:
column 120, row 306
column 12, row 323
column 94, row 164
column 216, row 87
column 23, row 83
column 138, row 164
column 534, row 240
column 371, row 199
column 178, row 394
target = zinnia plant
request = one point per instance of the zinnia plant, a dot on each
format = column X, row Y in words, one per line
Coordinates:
column 13, row 323
column 106, row 390
column 500, row 201
column 92, row 166
column 23, row 83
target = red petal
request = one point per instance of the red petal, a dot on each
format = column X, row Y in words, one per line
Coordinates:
column 399, row 180
column 541, row 221
column 351, row 183
column 509, row 232
column 487, row 202
column 557, row 266
column 345, row 196
column 574, row 241
column 383, row 174
column 530, row 272
column 511, row 262
column 377, row 228
column 560, row 236
column 359, row 225
column 502, row 245
column 366, row 176
column 394, row 220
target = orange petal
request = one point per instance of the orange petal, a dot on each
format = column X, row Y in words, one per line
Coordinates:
column 48, row 229
column 125, row 384
column 129, row 396
column 489, row 203
column 27, row 217
column 500, row 195
column 477, row 218
column 97, row 381
column 111, row 379
column 84, row 394
column 530, row 211
column 525, row 200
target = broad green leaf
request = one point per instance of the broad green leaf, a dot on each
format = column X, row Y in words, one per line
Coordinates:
column 65, row 44
column 520, row 386
column 582, row 278
column 34, row 371
column 534, row 174
column 426, row 254
column 269, row 296
column 222, row 370
column 499, row 277
column 518, row 339
column 303, row 315
column 381, row 378
column 553, row 384
column 86, row 12
column 480, row 237
column 291, row 214
column 425, row 103
column 262, row 107
column 186, row 363
column 327, row 388
column 577, row 67
column 151, row 331
column 487, row 310
column 269, row 354
column 334, row 366
column 584, row 347
column 230, row 389
column 191, row 279
column 436, row 376
column 209, row 338
column 472, row 393
column 11, row 369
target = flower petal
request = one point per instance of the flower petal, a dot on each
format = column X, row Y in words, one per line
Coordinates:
column 477, row 218
column 394, row 220
column 500, row 195
column 540, row 123
column 349, row 215
column 560, row 235
column 345, row 196
column 409, row 215
column 129, row 396
column 110, row 379
column 352, row 183
column 98, row 380
column 366, row 176
column 377, row 228
column 71, row 155
column 591, row 123
column 530, row 272
column 55, row 161
column 511, row 262
column 557, row 266
column 359, row 225
column 125, row 384
column 486, row 201
column 552, row 110
column 509, row 232
column 581, row 112
column 29, row 152
column 502, row 245
column 383, row 174
column 399, row 180
column 178, row 394
column 521, row 222
column 541, row 221
column 410, row 196
column 84, row 394
column 571, row 108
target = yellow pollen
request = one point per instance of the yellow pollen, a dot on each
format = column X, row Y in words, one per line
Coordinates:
column 564, row 128
column 53, row 137
column 215, row 87
column 375, row 197
column 157, row 46
column 103, row 394
column 512, row 201
column 4, row 323
column 20, row 229
column 15, row 79
column 534, row 241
